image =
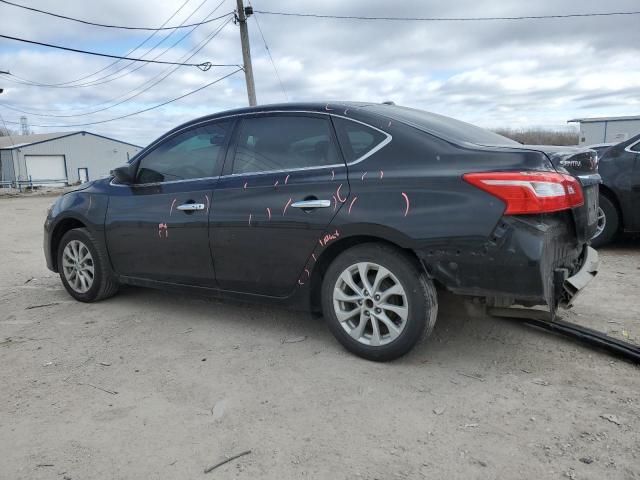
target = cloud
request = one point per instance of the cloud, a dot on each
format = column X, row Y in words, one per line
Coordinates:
column 502, row 73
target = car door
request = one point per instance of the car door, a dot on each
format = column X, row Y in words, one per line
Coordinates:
column 157, row 228
column 284, row 180
column 634, row 194
column 620, row 171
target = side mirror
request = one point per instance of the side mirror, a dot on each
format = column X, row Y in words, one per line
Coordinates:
column 124, row 175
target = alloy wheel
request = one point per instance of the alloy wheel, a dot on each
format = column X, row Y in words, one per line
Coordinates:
column 370, row 303
column 78, row 266
column 601, row 223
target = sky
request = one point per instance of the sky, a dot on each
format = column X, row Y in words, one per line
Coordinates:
column 495, row 74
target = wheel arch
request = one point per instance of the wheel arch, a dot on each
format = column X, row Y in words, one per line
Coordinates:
column 336, row 248
column 62, row 227
column 611, row 195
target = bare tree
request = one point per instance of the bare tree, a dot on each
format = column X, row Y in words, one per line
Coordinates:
column 540, row 136
column 7, row 132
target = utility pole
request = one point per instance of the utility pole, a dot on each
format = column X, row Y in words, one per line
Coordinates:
column 246, row 51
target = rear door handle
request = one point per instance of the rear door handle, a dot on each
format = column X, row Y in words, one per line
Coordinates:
column 311, row 204
column 190, row 207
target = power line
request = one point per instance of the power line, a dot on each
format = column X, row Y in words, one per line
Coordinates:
column 284, row 91
column 179, row 40
column 202, row 66
column 87, row 22
column 447, row 19
column 130, row 51
column 193, row 52
column 107, row 78
column 112, row 76
column 139, row 111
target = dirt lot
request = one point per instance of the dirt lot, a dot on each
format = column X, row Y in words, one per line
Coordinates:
column 151, row 385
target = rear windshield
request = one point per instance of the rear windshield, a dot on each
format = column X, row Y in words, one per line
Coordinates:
column 444, row 127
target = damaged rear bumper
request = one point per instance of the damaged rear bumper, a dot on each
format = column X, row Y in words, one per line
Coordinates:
column 573, row 285
column 526, row 260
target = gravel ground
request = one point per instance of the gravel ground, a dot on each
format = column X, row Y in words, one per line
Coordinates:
column 152, row 385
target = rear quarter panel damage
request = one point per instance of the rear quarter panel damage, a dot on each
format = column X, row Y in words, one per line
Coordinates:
column 411, row 193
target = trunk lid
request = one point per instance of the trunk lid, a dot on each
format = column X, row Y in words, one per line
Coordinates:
column 573, row 160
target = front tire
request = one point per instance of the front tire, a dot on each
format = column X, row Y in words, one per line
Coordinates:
column 608, row 222
column 84, row 268
column 377, row 302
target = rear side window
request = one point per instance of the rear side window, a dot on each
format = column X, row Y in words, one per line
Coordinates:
column 443, row 127
column 283, row 142
column 635, row 148
column 356, row 139
column 191, row 154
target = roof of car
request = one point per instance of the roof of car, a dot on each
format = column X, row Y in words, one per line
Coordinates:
column 292, row 106
column 284, row 107
column 441, row 126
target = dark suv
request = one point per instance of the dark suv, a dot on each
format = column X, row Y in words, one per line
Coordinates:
column 355, row 210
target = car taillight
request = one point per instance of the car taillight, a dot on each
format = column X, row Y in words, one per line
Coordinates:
column 530, row 192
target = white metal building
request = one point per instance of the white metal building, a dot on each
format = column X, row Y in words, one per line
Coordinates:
column 607, row 129
column 61, row 158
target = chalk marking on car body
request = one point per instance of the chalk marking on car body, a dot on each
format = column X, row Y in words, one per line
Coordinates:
column 329, row 237
column 351, row 204
column 286, row 206
column 406, row 199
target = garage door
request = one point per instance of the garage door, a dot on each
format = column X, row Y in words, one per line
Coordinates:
column 46, row 169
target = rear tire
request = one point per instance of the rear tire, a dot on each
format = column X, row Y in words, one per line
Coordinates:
column 84, row 267
column 383, row 317
column 608, row 222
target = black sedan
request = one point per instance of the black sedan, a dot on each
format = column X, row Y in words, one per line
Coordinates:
column 354, row 210
column 619, row 167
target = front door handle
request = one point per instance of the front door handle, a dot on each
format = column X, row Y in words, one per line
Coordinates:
column 304, row 204
column 190, row 207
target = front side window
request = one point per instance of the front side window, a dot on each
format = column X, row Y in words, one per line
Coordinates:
column 356, row 139
column 283, row 142
column 194, row 153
